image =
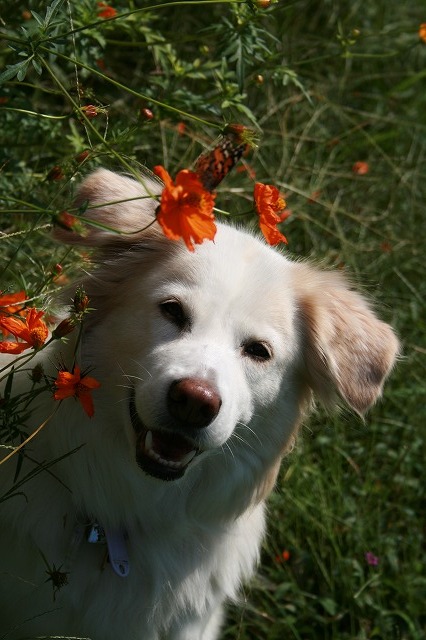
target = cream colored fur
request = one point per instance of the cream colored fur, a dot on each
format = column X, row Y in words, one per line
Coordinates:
column 191, row 541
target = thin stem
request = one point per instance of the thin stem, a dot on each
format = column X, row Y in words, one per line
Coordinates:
column 140, row 10
column 22, row 357
column 123, row 87
column 30, row 437
column 34, row 113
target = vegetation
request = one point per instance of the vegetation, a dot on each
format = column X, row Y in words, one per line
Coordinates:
column 335, row 92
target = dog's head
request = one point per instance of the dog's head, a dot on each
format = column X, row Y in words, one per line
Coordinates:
column 215, row 352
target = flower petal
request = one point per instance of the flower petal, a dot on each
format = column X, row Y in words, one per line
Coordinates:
column 186, row 208
column 86, row 402
column 12, row 302
column 15, row 326
column 270, row 207
column 13, row 347
column 90, row 383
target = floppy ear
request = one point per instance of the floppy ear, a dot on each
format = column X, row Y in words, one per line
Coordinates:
column 123, row 205
column 348, row 351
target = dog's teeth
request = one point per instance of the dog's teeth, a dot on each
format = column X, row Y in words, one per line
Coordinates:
column 148, row 441
column 175, row 464
column 187, row 459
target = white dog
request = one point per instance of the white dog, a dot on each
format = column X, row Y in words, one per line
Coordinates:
column 207, row 363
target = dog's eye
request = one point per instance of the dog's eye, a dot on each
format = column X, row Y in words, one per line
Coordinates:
column 172, row 310
column 257, row 350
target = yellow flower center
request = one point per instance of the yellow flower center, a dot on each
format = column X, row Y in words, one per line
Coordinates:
column 281, row 203
column 38, row 336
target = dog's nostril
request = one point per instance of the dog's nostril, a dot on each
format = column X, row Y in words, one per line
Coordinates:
column 193, row 402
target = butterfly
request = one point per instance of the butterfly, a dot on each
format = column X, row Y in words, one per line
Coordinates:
column 212, row 166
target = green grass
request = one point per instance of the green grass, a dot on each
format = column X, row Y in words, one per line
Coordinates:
column 327, row 84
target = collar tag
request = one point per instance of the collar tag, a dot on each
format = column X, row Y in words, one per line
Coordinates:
column 116, row 543
column 117, row 550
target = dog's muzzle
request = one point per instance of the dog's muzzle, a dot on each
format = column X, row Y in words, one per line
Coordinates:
column 192, row 405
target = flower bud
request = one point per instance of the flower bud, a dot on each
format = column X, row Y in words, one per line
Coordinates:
column 37, row 373
column 65, row 220
column 81, row 156
column 361, row 168
column 146, row 114
column 55, row 174
column 90, row 111
column 64, row 328
column 80, row 301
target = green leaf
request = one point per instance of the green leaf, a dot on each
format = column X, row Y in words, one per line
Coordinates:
column 329, row 605
column 37, row 66
column 22, row 71
column 12, row 70
column 37, row 17
column 51, row 11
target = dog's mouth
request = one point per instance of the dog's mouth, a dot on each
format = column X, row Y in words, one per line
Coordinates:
column 162, row 454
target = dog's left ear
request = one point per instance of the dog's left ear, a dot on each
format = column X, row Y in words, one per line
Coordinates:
column 114, row 204
column 348, row 351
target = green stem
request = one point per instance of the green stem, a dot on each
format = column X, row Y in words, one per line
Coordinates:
column 26, row 204
column 22, row 357
column 30, row 437
column 140, row 10
column 86, row 119
column 123, row 87
column 34, row 113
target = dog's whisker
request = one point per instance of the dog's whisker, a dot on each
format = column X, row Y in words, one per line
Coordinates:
column 141, row 366
column 228, row 446
column 247, row 428
column 235, row 436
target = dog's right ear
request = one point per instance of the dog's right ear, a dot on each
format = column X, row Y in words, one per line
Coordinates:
column 348, row 351
column 114, row 206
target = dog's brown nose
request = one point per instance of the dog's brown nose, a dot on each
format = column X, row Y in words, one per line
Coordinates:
column 193, row 402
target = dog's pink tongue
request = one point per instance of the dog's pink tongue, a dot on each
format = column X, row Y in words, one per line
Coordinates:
column 170, row 446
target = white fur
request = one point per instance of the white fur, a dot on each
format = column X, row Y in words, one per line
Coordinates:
column 193, row 540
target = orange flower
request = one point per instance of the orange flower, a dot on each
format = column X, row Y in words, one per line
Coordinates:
column 11, row 302
column 31, row 330
column 360, row 168
column 270, row 204
column 284, row 556
column 186, row 208
column 72, row 385
column 422, row 32
column 105, row 11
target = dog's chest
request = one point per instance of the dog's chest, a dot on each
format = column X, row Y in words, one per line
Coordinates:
column 173, row 574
